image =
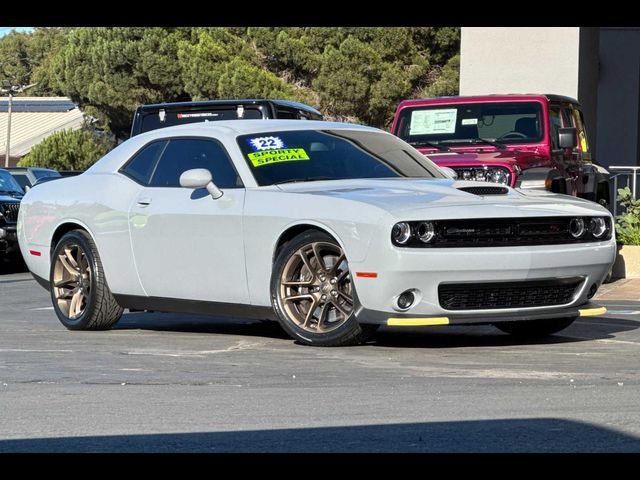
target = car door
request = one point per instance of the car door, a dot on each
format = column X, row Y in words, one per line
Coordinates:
column 187, row 245
column 560, row 160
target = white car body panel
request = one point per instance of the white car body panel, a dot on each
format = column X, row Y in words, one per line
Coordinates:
column 222, row 250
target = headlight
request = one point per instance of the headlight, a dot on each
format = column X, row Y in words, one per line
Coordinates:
column 499, row 175
column 598, row 227
column 576, row 227
column 426, row 232
column 401, row 233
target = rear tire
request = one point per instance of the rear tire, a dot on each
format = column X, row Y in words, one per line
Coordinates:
column 312, row 292
column 79, row 292
column 535, row 328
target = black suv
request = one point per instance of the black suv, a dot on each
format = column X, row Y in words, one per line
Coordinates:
column 160, row 115
column 10, row 196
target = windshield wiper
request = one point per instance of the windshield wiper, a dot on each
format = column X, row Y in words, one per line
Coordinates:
column 442, row 148
column 476, row 141
column 305, row 179
column 10, row 192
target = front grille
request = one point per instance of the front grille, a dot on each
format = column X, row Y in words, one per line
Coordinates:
column 505, row 232
column 497, row 295
column 485, row 190
column 10, row 211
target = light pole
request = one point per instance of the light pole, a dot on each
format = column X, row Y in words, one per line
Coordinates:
column 11, row 90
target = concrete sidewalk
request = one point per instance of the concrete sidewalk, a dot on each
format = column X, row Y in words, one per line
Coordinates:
column 620, row 289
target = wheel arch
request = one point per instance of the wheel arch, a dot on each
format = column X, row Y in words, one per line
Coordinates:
column 65, row 227
column 293, row 230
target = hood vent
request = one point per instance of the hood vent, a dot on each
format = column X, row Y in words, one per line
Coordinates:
column 486, row 190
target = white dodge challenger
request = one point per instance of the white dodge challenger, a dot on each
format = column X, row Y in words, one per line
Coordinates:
column 332, row 229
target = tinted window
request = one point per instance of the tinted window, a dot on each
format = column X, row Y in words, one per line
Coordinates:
column 183, row 154
column 555, row 124
column 169, row 118
column 9, row 184
column 505, row 122
column 307, row 155
column 140, row 167
column 45, row 173
column 22, row 180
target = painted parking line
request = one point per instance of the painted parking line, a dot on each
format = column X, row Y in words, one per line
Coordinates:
column 624, row 312
column 42, row 308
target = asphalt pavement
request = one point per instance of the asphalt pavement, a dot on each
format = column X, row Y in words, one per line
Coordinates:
column 186, row 383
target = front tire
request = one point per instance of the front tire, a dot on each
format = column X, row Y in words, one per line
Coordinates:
column 535, row 328
column 79, row 292
column 312, row 292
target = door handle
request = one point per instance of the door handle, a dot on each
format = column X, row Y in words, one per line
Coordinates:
column 144, row 202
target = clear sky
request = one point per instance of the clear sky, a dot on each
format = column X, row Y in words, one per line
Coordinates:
column 5, row 30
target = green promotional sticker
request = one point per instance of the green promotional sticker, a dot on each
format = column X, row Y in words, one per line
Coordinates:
column 267, row 157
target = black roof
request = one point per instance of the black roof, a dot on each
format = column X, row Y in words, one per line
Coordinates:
column 37, row 105
column 244, row 101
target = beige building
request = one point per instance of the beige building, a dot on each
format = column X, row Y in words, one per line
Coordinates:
column 598, row 66
column 32, row 120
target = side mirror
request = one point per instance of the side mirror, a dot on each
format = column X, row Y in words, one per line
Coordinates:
column 567, row 137
column 449, row 172
column 200, row 178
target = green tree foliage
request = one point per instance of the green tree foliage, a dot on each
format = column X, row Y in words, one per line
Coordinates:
column 68, row 150
column 350, row 73
column 628, row 224
column 110, row 71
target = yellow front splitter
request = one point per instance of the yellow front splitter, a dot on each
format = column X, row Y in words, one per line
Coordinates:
column 417, row 322
column 431, row 321
column 592, row 312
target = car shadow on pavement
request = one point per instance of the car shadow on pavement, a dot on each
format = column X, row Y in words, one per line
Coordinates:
column 486, row 436
column 14, row 266
column 188, row 323
column 582, row 330
column 586, row 329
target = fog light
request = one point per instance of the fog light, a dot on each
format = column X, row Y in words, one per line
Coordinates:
column 576, row 227
column 598, row 227
column 3, row 233
column 405, row 300
column 401, row 233
column 592, row 290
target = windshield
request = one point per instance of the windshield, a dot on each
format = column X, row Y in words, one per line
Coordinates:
column 308, row 155
column 8, row 183
column 472, row 124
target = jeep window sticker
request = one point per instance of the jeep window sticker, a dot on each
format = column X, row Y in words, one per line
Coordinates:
column 429, row 122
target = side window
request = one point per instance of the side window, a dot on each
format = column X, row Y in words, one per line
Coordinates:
column 555, row 124
column 183, row 154
column 141, row 166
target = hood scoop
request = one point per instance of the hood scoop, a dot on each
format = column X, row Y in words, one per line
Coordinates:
column 488, row 190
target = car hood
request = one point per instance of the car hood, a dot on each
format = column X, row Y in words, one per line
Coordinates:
column 443, row 198
column 463, row 158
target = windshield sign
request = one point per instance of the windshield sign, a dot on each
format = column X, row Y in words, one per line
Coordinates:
column 308, row 155
column 474, row 123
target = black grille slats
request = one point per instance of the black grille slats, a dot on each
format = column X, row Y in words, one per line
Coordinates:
column 10, row 211
column 499, row 295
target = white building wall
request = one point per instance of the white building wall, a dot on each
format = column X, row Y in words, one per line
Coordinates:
column 519, row 60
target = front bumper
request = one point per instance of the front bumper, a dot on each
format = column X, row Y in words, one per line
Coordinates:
column 404, row 320
column 424, row 270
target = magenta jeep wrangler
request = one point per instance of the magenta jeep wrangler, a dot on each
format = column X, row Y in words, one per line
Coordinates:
column 524, row 141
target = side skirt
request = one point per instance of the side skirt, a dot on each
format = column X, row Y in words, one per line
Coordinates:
column 158, row 304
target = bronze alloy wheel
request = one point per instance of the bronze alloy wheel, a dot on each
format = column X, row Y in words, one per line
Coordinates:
column 315, row 288
column 72, row 280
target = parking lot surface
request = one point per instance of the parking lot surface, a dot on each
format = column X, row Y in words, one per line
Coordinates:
column 176, row 383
